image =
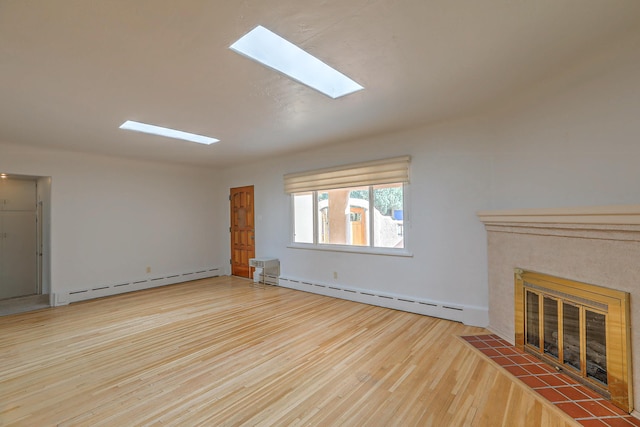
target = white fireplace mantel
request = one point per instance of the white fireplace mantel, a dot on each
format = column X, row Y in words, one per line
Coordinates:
column 592, row 215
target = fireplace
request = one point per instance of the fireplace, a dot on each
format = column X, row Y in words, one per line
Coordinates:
column 574, row 247
column 578, row 328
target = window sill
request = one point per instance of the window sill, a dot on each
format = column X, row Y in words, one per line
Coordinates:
column 353, row 249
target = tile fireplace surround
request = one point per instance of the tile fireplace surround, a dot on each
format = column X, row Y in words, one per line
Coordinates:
column 595, row 245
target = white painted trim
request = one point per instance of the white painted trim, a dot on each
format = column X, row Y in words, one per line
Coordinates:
column 98, row 291
column 467, row 314
column 595, row 215
column 365, row 250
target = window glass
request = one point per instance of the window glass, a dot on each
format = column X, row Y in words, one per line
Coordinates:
column 368, row 216
column 303, row 218
column 533, row 318
column 596, row 337
column 343, row 216
column 388, row 219
column 550, row 322
column 571, row 335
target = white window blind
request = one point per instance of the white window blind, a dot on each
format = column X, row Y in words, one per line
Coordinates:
column 386, row 171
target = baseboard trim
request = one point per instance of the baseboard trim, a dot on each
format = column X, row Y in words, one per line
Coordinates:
column 467, row 314
column 99, row 291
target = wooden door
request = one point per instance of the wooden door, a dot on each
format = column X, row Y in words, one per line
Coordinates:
column 242, row 230
column 358, row 229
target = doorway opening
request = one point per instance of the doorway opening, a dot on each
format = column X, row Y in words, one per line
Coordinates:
column 24, row 242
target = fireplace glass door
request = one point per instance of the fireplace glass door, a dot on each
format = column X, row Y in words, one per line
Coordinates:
column 571, row 334
column 582, row 329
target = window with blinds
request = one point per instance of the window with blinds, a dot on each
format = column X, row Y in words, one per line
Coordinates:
column 359, row 206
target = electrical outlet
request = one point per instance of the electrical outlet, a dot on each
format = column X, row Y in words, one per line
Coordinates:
column 148, row 269
column 335, row 274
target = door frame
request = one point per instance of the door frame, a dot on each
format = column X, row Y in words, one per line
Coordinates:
column 250, row 238
column 43, row 232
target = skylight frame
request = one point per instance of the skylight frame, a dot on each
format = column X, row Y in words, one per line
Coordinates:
column 277, row 53
column 167, row 132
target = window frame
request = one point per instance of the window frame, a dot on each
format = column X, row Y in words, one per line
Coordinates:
column 370, row 249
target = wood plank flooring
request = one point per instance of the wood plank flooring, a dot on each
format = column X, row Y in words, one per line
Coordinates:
column 220, row 352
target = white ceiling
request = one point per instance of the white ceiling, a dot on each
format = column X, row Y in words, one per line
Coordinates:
column 71, row 71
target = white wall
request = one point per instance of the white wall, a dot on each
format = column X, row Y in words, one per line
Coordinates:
column 111, row 218
column 450, row 179
column 573, row 140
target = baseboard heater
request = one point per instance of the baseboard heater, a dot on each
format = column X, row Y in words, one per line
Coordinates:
column 64, row 298
column 469, row 315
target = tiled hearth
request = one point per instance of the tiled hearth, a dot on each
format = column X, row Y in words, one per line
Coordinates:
column 587, row 407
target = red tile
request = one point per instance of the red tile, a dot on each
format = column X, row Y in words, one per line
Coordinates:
column 507, row 351
column 516, row 370
column 552, row 380
column 494, row 343
column 567, row 379
column 633, row 420
column 592, row 423
column 611, row 406
column 470, row 338
column 573, row 410
column 547, row 368
column 485, row 337
column 618, row 422
column 519, row 360
column 592, row 394
column 532, row 359
column 573, row 392
column 535, row 368
column 502, row 361
column 533, row 382
column 596, row 408
column 489, row 352
column 479, row 344
column 552, row 395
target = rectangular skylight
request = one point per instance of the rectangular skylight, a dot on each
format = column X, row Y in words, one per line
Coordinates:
column 275, row 52
column 169, row 133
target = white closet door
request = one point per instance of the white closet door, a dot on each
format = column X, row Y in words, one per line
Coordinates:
column 18, row 244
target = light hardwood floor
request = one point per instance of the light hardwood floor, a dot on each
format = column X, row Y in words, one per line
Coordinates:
column 220, row 352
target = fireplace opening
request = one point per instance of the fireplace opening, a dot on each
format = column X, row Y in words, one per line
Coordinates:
column 578, row 328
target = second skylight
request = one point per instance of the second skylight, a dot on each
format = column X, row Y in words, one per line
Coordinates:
column 271, row 50
column 167, row 132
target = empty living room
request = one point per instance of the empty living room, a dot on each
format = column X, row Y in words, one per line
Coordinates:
column 296, row 213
